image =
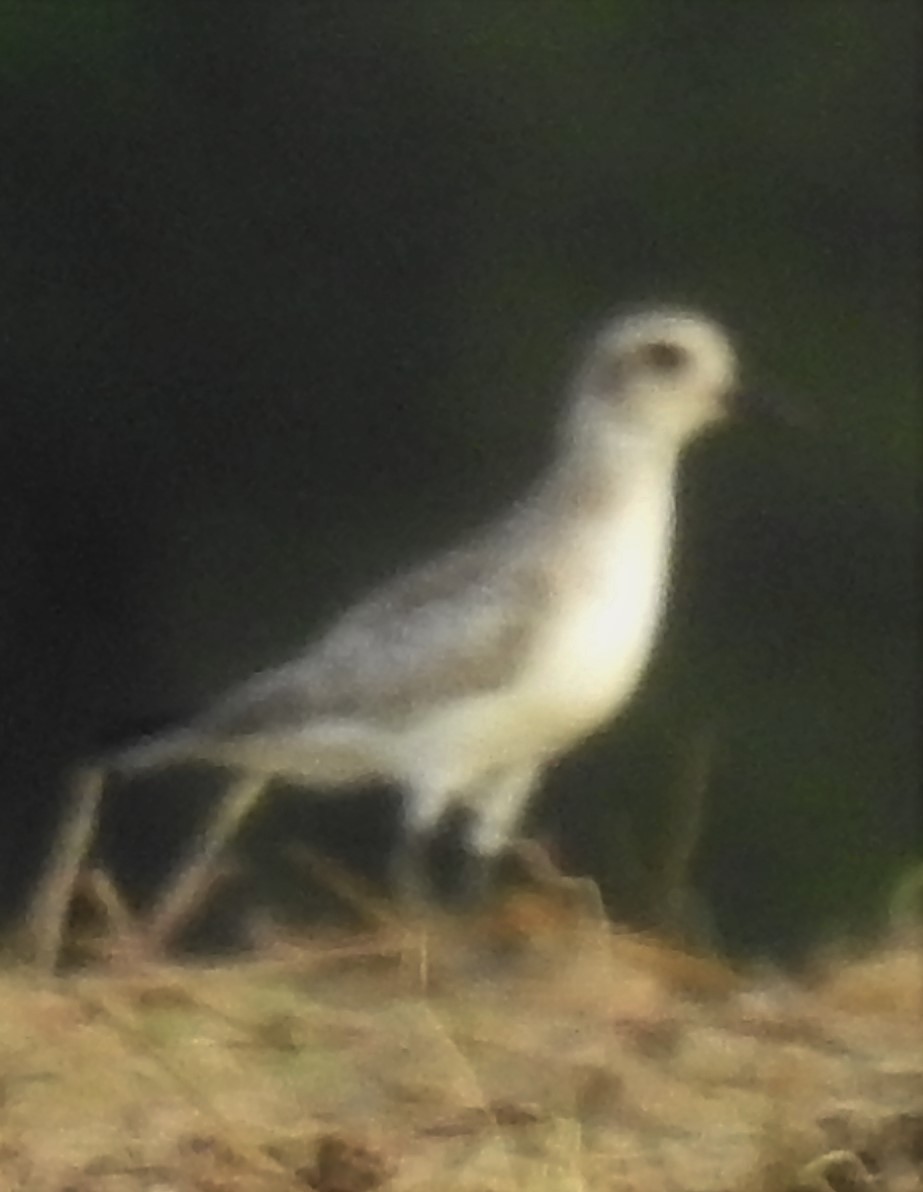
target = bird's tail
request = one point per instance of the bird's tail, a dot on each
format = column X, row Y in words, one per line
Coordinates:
column 325, row 755
column 156, row 752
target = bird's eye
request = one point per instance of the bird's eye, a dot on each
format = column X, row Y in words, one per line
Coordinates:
column 663, row 356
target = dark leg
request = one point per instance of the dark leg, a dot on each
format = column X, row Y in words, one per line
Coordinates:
column 496, row 812
column 475, row 879
column 411, row 873
column 410, row 876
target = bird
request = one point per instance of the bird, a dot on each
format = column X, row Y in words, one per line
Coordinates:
column 463, row 679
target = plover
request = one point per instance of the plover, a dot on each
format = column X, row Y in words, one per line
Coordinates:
column 463, row 679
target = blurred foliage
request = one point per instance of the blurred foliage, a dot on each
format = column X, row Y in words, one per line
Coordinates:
column 290, row 291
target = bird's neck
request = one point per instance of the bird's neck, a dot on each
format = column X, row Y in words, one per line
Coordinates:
column 607, row 463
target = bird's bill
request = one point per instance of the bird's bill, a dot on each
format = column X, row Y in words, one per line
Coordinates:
column 768, row 406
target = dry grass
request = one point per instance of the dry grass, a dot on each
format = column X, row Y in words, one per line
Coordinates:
column 538, row 1050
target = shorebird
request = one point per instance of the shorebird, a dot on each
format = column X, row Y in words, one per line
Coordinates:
column 461, row 680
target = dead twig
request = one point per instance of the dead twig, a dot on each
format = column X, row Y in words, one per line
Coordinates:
column 196, row 874
column 47, row 916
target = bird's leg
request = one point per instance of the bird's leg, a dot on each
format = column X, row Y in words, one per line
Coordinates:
column 410, row 877
column 475, row 879
column 496, row 809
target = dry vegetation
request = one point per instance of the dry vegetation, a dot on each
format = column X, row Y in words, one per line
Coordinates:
column 538, row 1050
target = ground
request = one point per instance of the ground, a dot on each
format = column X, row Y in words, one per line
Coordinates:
column 535, row 1050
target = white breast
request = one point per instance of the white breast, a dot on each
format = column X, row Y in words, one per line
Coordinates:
column 585, row 663
column 589, row 659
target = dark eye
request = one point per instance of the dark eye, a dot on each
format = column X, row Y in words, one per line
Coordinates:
column 663, row 356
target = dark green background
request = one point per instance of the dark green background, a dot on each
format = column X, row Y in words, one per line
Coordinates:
column 289, row 294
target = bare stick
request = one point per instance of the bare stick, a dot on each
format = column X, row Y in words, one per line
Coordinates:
column 106, row 895
column 47, row 915
column 349, row 888
column 119, row 921
column 185, row 889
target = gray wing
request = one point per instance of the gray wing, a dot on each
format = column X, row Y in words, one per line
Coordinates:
column 462, row 623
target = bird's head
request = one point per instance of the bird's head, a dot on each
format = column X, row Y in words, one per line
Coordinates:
column 668, row 373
